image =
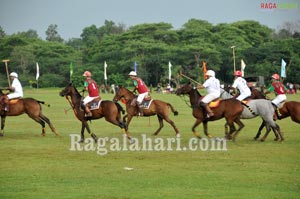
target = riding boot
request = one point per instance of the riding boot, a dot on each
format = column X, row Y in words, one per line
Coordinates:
column 87, row 111
column 5, row 103
column 140, row 108
column 210, row 113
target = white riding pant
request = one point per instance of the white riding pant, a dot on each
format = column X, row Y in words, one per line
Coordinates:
column 141, row 97
column 242, row 96
column 279, row 99
column 88, row 99
column 209, row 97
column 14, row 95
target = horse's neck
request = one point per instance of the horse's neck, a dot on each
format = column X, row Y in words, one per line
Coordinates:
column 194, row 97
column 130, row 95
column 225, row 94
column 76, row 99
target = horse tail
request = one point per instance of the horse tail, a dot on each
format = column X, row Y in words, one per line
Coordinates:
column 42, row 102
column 120, row 108
column 172, row 109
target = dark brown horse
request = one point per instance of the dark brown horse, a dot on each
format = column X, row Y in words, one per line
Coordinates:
column 157, row 107
column 109, row 110
column 230, row 109
column 31, row 107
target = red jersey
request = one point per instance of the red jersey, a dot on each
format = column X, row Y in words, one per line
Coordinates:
column 278, row 88
column 92, row 88
column 141, row 86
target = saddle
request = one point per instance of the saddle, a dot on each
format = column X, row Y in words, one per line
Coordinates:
column 14, row 101
column 215, row 103
column 95, row 103
column 145, row 103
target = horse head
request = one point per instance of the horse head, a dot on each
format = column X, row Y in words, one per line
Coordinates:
column 123, row 92
column 69, row 90
column 184, row 89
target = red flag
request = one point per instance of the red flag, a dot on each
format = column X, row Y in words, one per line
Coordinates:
column 204, row 69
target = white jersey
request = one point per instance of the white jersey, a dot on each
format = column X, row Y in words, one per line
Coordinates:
column 18, row 90
column 241, row 84
column 212, row 85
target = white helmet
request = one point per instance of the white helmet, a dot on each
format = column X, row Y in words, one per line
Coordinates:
column 132, row 73
column 210, row 73
column 13, row 74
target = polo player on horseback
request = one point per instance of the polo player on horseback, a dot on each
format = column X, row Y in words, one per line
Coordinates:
column 91, row 86
column 241, row 84
column 280, row 90
column 212, row 85
column 141, row 87
column 16, row 91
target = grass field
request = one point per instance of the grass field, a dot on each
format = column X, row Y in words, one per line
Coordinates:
column 44, row 167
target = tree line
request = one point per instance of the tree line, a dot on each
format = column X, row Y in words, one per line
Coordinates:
column 152, row 46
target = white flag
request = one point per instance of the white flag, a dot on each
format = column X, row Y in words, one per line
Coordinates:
column 37, row 71
column 105, row 66
column 243, row 66
column 283, row 72
column 170, row 71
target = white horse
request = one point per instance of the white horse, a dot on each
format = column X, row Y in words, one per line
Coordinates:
column 254, row 108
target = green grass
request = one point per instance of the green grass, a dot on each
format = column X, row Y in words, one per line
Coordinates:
column 33, row 166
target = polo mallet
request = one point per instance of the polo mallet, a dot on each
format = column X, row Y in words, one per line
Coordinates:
column 181, row 74
column 6, row 68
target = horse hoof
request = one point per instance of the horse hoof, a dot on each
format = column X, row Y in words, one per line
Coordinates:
column 81, row 141
column 178, row 135
column 210, row 136
column 262, row 140
column 276, row 139
column 255, row 139
column 43, row 134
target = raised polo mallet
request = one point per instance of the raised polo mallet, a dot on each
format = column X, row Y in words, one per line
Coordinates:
column 6, row 67
column 181, row 74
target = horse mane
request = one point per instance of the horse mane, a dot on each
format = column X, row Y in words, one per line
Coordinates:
column 76, row 91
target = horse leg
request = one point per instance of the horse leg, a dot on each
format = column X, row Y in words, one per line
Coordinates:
column 161, row 124
column 82, row 132
column 198, row 121
column 86, row 125
column 116, row 121
column 241, row 126
column 173, row 125
column 43, row 117
column 205, row 129
column 263, row 124
column 279, row 135
column 267, row 133
column 2, row 125
column 124, row 120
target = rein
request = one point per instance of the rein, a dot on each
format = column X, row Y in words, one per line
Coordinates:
column 72, row 105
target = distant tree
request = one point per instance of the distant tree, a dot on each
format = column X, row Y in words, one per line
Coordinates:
column 2, row 32
column 52, row 34
column 29, row 34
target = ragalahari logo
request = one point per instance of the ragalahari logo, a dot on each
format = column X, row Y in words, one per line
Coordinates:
column 274, row 5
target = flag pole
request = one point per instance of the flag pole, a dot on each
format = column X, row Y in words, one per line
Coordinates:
column 233, row 56
column 6, row 68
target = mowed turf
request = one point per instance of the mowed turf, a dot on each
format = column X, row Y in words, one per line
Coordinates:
column 33, row 166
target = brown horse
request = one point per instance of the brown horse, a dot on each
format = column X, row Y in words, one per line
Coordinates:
column 31, row 107
column 157, row 107
column 230, row 109
column 109, row 110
